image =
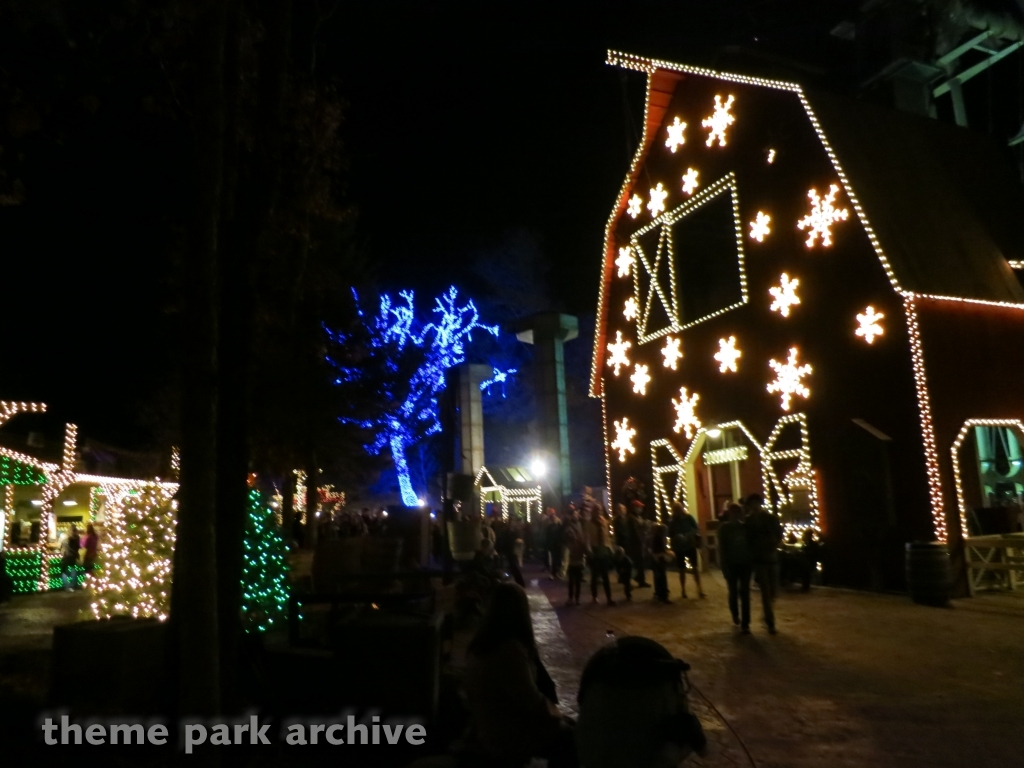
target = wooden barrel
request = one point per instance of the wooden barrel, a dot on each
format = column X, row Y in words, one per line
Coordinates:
column 929, row 576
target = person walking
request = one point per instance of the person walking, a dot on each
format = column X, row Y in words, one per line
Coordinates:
column 684, row 533
column 599, row 554
column 553, row 543
column 661, row 556
column 576, row 548
column 90, row 544
column 69, row 559
column 620, row 533
column 764, row 533
column 635, row 535
column 734, row 550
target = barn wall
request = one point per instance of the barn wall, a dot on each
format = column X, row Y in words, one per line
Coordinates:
column 850, row 380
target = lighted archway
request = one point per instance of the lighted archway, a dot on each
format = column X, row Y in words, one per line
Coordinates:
column 955, row 451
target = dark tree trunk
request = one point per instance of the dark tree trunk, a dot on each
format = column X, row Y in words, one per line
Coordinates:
column 256, row 199
column 194, row 598
column 232, row 400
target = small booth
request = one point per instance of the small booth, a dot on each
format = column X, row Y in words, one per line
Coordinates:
column 513, row 490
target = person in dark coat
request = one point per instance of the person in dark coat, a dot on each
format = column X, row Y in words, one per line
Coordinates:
column 635, row 535
column 684, row 533
column 661, row 556
column 764, row 533
column 624, row 567
column 554, row 543
column 734, row 550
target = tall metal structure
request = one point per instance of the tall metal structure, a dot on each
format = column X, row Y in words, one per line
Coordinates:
column 548, row 332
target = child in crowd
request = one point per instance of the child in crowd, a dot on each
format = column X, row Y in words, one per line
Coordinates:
column 661, row 556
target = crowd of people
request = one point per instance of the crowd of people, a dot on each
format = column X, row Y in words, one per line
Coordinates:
column 628, row 544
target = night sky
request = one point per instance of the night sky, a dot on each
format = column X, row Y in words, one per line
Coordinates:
column 469, row 126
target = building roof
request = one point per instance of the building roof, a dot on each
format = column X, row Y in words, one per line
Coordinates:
column 942, row 200
column 941, row 204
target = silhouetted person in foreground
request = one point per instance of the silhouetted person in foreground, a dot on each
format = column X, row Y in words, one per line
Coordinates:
column 512, row 699
column 764, row 533
column 633, row 708
column 734, row 551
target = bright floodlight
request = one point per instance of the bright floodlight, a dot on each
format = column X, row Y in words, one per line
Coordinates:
column 538, row 467
column 421, row 503
column 714, row 432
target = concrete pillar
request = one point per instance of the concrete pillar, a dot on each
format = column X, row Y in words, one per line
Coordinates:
column 469, row 418
column 548, row 331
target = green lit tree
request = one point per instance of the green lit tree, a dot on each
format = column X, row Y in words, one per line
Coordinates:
column 264, row 568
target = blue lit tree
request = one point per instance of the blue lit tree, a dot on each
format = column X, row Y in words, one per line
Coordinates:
column 405, row 360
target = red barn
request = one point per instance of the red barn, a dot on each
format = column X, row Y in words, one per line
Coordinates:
column 816, row 300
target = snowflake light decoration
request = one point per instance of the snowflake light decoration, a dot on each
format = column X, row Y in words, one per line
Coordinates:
column 719, row 121
column 822, row 216
column 727, row 355
column 788, row 377
column 671, row 352
column 629, row 311
column 675, row 135
column 623, row 442
column 625, row 261
column 690, row 181
column 640, row 379
column 686, row 413
column 869, row 325
column 636, row 205
column 618, row 348
column 759, row 228
column 657, row 202
column 784, row 295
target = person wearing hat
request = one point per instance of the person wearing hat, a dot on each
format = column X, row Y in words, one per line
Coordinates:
column 633, row 708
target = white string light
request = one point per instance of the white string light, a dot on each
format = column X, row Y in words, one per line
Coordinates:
column 686, row 413
column 718, row 121
column 675, row 135
column 788, row 378
column 784, row 295
column 656, row 204
column 671, row 352
column 759, row 228
column 624, row 435
column 822, row 216
column 625, row 261
column 690, row 182
column 931, row 455
column 869, row 326
column 640, row 379
column 618, row 351
column 630, row 309
column 727, row 355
